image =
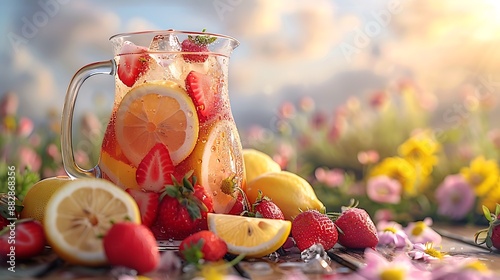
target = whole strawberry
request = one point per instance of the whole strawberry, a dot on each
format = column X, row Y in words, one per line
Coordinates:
column 183, row 208
column 203, row 245
column 311, row 227
column 265, row 208
column 194, row 44
column 492, row 238
column 26, row 237
column 131, row 245
column 356, row 229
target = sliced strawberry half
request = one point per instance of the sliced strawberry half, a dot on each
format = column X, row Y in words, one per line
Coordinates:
column 201, row 89
column 155, row 170
column 134, row 61
column 148, row 205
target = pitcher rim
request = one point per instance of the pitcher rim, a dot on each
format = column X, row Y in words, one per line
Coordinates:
column 173, row 31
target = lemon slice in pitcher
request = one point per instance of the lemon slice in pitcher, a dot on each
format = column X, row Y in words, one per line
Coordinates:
column 217, row 157
column 254, row 237
column 80, row 213
column 158, row 112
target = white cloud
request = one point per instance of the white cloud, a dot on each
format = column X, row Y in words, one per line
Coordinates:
column 287, row 43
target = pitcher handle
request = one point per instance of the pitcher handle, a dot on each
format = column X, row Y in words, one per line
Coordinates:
column 68, row 158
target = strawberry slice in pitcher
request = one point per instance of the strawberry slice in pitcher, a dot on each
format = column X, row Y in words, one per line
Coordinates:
column 155, row 170
column 148, row 205
column 134, row 61
column 203, row 92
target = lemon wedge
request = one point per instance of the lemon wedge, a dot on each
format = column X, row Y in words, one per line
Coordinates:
column 80, row 213
column 254, row 237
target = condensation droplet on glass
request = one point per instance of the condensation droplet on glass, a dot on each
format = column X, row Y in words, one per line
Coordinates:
column 213, row 149
column 199, row 161
column 214, row 193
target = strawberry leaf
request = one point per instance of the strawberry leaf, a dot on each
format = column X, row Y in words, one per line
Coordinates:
column 487, row 213
column 497, row 210
column 193, row 253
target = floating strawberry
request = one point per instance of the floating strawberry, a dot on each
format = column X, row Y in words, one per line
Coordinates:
column 194, row 44
column 265, row 208
column 148, row 205
column 356, row 228
column 492, row 238
column 183, row 208
column 312, row 227
column 27, row 239
column 134, row 61
column 241, row 205
column 156, row 169
column 203, row 91
column 131, row 245
column 202, row 245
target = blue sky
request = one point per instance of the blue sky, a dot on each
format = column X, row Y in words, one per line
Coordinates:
column 289, row 48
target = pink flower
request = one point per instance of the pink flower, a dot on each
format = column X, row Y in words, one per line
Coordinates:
column 455, row 197
column 331, row 178
column 28, row 158
column 368, row 157
column 421, row 232
column 25, row 127
column 383, row 189
column 426, row 252
column 53, row 152
column 379, row 268
column 392, row 234
column 81, row 158
column 306, row 104
column 287, row 110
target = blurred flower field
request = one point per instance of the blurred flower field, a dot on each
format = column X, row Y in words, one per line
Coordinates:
column 393, row 150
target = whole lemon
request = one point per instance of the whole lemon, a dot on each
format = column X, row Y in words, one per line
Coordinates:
column 290, row 192
column 258, row 163
column 36, row 199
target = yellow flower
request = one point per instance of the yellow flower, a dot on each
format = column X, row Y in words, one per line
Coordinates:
column 420, row 150
column 482, row 175
column 399, row 169
column 490, row 200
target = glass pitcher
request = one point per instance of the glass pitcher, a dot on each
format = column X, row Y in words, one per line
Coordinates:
column 171, row 116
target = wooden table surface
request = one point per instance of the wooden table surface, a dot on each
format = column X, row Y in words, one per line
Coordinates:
column 457, row 241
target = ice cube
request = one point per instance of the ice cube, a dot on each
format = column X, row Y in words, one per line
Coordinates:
column 316, row 251
column 165, row 48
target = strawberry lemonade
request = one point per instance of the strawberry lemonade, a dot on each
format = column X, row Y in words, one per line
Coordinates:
column 171, row 119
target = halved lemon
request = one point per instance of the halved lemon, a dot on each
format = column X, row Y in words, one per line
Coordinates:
column 254, row 237
column 36, row 198
column 216, row 160
column 80, row 213
column 156, row 112
column 118, row 172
